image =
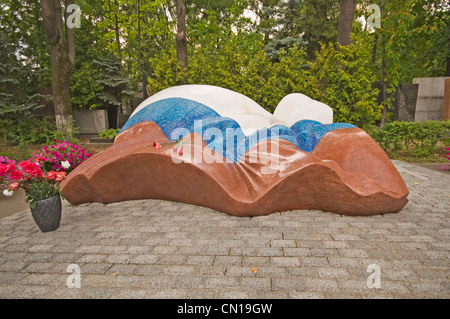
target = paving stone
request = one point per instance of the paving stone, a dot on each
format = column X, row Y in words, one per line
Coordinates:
column 288, row 284
column 324, row 285
column 222, row 282
column 162, row 249
column 285, row 261
column 228, row 260
column 333, row 273
column 256, row 283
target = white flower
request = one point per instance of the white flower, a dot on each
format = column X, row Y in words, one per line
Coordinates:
column 65, row 164
column 8, row 192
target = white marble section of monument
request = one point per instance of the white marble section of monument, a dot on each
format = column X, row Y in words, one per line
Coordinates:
column 246, row 112
column 296, row 106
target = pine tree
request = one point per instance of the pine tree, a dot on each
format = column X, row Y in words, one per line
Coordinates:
column 14, row 100
column 286, row 31
column 115, row 88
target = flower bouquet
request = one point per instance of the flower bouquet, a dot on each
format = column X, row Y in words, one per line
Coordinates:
column 42, row 190
column 27, row 175
column 40, row 178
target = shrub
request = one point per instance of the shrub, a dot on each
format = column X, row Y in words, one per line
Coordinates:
column 111, row 133
column 31, row 129
column 415, row 139
column 341, row 77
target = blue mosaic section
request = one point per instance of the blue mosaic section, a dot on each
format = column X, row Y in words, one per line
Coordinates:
column 178, row 117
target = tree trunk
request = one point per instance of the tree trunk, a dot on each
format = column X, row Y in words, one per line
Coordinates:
column 383, row 73
column 116, row 28
column 347, row 10
column 447, row 69
column 181, row 38
column 139, row 36
column 62, row 56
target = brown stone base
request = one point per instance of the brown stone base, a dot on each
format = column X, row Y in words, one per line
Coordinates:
column 347, row 173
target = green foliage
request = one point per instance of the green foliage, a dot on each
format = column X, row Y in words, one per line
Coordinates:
column 414, row 139
column 115, row 87
column 319, row 23
column 264, row 58
column 412, row 41
column 341, row 77
column 111, row 133
column 85, row 87
column 41, row 190
column 21, row 26
column 16, row 102
column 32, row 129
column 286, row 29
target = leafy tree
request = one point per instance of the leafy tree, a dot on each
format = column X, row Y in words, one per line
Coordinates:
column 21, row 26
column 319, row 23
column 15, row 101
column 418, row 30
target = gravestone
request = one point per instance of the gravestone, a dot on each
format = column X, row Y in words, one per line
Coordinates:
column 430, row 98
column 90, row 122
column 405, row 102
column 213, row 147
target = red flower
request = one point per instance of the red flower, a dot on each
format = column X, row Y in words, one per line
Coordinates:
column 31, row 168
column 154, row 143
column 16, row 175
column 14, row 186
column 10, row 167
column 3, row 170
column 180, row 152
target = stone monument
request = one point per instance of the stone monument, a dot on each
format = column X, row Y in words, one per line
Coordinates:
column 210, row 146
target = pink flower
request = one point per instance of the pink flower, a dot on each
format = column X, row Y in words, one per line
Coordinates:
column 180, row 152
column 158, row 145
column 60, row 176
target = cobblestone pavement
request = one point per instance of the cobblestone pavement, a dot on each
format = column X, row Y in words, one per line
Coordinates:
column 160, row 249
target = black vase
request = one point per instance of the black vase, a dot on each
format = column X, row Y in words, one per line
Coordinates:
column 47, row 213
